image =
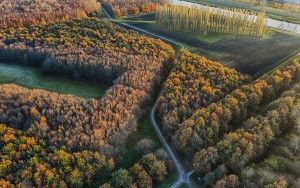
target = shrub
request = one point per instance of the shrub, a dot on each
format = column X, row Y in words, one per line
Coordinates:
column 121, row 178
column 145, row 146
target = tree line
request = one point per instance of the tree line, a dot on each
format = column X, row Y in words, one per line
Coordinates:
column 194, row 82
column 237, row 148
column 279, row 167
column 23, row 12
column 288, row 6
column 211, row 20
column 123, row 8
column 208, row 124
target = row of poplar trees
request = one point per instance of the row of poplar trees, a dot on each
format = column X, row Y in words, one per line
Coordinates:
column 211, row 20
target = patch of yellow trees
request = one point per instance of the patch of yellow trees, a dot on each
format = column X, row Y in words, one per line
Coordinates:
column 211, row 20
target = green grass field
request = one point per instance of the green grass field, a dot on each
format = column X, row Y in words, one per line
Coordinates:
column 144, row 130
column 130, row 156
column 33, row 78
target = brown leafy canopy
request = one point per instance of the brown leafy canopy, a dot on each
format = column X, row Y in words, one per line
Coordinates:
column 27, row 12
column 84, row 35
column 194, row 82
column 280, row 167
column 208, row 124
column 30, row 162
column 243, row 145
column 71, row 121
column 90, row 49
column 132, row 7
column 149, row 171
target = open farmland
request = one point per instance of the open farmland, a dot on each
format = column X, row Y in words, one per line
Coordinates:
column 279, row 10
column 250, row 55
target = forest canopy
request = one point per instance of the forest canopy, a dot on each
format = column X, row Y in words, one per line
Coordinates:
column 194, row 82
column 213, row 114
column 132, row 7
column 70, row 126
column 90, row 49
column 28, row 12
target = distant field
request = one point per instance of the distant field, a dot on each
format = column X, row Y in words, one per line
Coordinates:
column 250, row 55
column 274, row 13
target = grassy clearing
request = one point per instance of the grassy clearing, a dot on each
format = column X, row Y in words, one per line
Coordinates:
column 33, row 78
column 148, row 21
column 187, row 38
column 144, row 130
column 171, row 178
column 130, row 156
column 209, row 38
column 183, row 186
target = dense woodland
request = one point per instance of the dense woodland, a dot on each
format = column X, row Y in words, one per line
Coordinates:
column 252, row 140
column 85, row 36
column 208, row 124
column 78, row 124
column 281, row 165
column 30, row 162
column 91, row 49
column 132, row 7
column 209, row 20
column 27, row 12
column 26, row 161
column 194, row 82
column 227, row 133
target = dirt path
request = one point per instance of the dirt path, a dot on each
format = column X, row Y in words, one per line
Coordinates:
column 183, row 176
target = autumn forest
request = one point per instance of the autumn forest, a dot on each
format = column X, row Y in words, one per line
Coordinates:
column 168, row 117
